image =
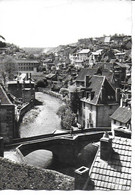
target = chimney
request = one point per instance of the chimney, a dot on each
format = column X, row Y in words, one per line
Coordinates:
column 1, row 147
column 87, row 81
column 103, row 95
column 105, row 147
column 30, row 76
column 27, row 77
column 117, row 95
column 81, row 176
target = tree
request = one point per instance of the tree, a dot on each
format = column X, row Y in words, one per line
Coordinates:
column 41, row 83
column 75, row 101
column 67, row 116
column 9, row 67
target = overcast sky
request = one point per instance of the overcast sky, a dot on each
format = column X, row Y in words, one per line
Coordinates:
column 47, row 23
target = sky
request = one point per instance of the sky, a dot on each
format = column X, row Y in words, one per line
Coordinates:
column 49, row 23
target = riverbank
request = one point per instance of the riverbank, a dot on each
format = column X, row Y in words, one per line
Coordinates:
column 41, row 119
column 49, row 92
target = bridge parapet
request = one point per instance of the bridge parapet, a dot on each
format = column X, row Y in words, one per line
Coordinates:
column 65, row 148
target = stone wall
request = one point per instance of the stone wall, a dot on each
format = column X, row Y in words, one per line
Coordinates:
column 7, row 122
column 19, row 176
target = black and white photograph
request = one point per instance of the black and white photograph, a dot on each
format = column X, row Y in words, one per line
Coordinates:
column 66, row 95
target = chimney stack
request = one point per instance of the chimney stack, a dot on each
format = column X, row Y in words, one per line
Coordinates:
column 87, row 81
column 118, row 95
column 105, row 147
column 103, row 95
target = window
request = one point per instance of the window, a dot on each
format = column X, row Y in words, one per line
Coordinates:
column 114, row 121
column 120, row 124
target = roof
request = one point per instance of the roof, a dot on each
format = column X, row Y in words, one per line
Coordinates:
column 96, row 83
column 122, row 65
column 114, row 174
column 3, row 96
column 98, row 52
column 26, row 61
column 49, row 76
column 121, row 53
column 20, row 81
column 84, row 51
column 85, row 72
column 122, row 114
column 107, row 39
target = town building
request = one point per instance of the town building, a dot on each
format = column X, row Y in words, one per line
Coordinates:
column 7, row 117
column 81, row 78
column 95, row 57
column 30, row 66
column 121, row 119
column 81, row 58
column 84, row 54
column 99, row 102
column 22, row 88
column 119, row 71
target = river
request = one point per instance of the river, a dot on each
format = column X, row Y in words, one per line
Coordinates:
column 41, row 119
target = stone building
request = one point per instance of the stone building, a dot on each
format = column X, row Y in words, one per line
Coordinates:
column 30, row 66
column 99, row 101
column 7, row 117
column 22, row 88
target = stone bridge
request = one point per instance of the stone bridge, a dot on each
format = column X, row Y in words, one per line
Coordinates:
column 65, row 148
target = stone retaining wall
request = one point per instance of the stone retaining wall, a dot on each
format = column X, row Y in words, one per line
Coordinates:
column 19, row 176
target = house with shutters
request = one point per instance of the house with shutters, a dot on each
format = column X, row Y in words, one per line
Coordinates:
column 99, row 102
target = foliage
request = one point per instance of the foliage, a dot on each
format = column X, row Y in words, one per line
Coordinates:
column 75, row 101
column 67, row 116
column 41, row 83
column 8, row 68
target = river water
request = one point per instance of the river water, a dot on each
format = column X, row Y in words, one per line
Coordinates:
column 41, row 119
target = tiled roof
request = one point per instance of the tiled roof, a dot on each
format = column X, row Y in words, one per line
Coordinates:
column 114, row 174
column 85, row 72
column 3, row 97
column 96, row 83
column 122, row 114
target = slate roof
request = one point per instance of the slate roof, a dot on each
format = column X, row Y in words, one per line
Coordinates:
column 96, row 83
column 114, row 174
column 85, row 72
column 3, row 97
column 122, row 114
